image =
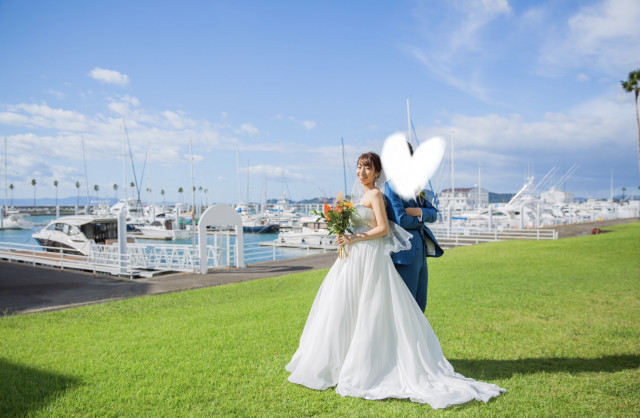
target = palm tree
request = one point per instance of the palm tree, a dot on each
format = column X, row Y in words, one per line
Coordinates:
column 33, row 183
column 96, row 189
column 55, row 183
column 78, row 198
column 162, row 193
column 11, row 188
column 115, row 189
column 624, row 189
column 633, row 85
column 132, row 185
column 180, row 191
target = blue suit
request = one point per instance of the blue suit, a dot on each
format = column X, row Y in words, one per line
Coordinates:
column 412, row 263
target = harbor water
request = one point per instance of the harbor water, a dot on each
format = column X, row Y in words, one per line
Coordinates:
column 251, row 241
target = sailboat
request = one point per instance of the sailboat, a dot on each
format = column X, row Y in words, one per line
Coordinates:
column 11, row 219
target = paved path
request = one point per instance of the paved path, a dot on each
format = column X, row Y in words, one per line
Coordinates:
column 586, row 228
column 25, row 288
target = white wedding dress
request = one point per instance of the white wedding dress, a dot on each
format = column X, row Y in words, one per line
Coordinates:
column 366, row 335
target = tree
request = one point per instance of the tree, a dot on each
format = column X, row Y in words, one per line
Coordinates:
column 180, row 191
column 624, row 189
column 55, row 183
column 132, row 185
column 96, row 189
column 115, row 189
column 78, row 189
column 11, row 188
column 162, row 193
column 633, row 85
column 33, row 183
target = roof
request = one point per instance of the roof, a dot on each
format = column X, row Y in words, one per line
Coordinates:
column 79, row 220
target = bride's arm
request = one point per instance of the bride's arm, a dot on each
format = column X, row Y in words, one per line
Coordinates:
column 382, row 223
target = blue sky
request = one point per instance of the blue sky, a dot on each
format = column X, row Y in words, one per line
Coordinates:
column 522, row 86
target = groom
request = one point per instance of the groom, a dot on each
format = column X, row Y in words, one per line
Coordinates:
column 412, row 263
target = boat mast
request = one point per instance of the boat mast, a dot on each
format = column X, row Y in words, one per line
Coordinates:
column 238, row 175
column 453, row 186
column 408, row 121
column 193, row 200
column 149, row 178
column 611, row 190
column 344, row 166
column 6, row 175
column 86, row 176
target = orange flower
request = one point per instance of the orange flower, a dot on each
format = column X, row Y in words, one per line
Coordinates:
column 327, row 208
column 348, row 204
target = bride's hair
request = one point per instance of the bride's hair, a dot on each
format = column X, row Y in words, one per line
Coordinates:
column 371, row 159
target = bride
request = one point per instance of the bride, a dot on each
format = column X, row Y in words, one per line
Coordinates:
column 365, row 333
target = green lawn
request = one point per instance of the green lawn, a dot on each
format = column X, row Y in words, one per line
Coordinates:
column 556, row 323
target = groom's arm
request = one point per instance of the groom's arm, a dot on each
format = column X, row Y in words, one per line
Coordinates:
column 404, row 220
column 429, row 213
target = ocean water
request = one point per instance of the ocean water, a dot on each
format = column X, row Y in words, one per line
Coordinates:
column 253, row 252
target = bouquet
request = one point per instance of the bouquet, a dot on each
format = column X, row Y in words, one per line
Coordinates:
column 337, row 218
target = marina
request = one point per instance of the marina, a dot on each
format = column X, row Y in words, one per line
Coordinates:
column 86, row 242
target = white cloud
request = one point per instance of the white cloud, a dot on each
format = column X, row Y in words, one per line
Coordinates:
column 597, row 134
column 43, row 116
column 604, row 36
column 57, row 94
column 178, row 120
column 109, row 76
column 308, row 124
column 452, row 45
column 123, row 105
column 273, row 172
column 248, row 128
column 583, row 77
column 11, row 118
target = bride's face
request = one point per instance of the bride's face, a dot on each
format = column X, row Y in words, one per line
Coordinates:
column 366, row 174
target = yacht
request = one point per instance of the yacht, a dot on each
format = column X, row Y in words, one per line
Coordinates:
column 14, row 220
column 310, row 233
column 78, row 234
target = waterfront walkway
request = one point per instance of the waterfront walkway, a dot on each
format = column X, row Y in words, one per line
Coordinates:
column 25, row 288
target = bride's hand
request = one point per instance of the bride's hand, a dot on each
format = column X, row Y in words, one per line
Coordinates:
column 345, row 239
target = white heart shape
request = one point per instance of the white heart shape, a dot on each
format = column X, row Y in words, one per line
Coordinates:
column 410, row 174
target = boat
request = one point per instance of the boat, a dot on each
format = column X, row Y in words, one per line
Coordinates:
column 78, row 234
column 310, row 233
column 258, row 224
column 14, row 220
column 10, row 219
column 162, row 228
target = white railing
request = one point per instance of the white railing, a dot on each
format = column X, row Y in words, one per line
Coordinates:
column 469, row 236
column 140, row 259
column 268, row 251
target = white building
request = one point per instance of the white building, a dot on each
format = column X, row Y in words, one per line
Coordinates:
column 464, row 198
column 553, row 195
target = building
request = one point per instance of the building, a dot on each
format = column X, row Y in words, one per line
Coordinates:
column 465, row 198
column 556, row 196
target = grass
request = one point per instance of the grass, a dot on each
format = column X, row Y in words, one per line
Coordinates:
column 556, row 323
